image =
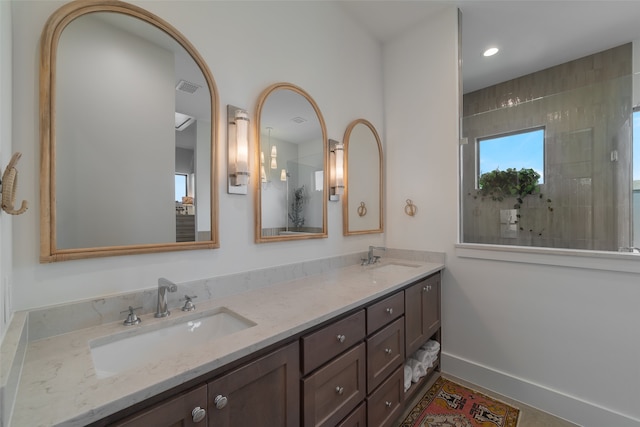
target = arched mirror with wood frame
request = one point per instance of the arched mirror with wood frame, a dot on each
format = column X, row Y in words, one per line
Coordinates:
column 362, row 211
column 121, row 171
column 291, row 158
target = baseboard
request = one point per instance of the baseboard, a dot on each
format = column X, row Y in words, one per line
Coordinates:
column 568, row 407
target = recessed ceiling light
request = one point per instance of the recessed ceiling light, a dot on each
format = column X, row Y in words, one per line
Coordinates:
column 491, row 51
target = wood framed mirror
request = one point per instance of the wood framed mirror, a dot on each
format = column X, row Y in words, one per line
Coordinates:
column 120, row 173
column 291, row 158
column 362, row 211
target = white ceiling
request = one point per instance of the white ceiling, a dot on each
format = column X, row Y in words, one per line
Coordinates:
column 532, row 35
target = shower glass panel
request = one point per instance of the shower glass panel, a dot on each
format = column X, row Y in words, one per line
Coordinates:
column 587, row 198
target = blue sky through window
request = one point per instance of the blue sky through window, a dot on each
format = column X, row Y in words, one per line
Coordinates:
column 517, row 151
column 181, row 187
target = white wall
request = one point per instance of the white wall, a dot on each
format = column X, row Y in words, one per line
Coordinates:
column 248, row 46
column 563, row 339
column 5, row 156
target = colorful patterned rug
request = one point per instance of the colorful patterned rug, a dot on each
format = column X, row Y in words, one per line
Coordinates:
column 447, row 404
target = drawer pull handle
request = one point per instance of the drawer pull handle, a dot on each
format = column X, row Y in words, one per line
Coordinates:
column 220, row 401
column 426, row 288
column 390, row 310
column 340, row 390
column 387, row 350
column 198, row 414
column 387, row 404
column 341, row 338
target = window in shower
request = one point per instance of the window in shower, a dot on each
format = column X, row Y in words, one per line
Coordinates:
column 180, row 186
column 516, row 150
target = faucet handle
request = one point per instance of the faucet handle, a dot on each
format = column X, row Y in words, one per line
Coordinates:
column 188, row 304
column 132, row 318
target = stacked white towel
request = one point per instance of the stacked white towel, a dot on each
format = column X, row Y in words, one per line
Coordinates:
column 428, row 353
column 407, row 376
column 431, row 345
column 418, row 363
column 417, row 370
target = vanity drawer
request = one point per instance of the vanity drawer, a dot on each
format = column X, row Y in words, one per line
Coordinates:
column 334, row 390
column 385, row 352
column 323, row 345
column 384, row 406
column 358, row 418
column 383, row 312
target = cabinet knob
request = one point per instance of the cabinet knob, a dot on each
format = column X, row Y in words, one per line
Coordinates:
column 387, row 404
column 387, row 350
column 220, row 401
column 340, row 390
column 341, row 338
column 390, row 310
column 198, row 414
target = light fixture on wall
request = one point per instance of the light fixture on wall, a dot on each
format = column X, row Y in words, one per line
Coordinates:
column 263, row 174
column 274, row 153
column 237, row 150
column 336, row 170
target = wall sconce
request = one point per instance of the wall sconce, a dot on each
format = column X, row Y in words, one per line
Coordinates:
column 263, row 174
column 336, row 166
column 237, row 150
column 274, row 154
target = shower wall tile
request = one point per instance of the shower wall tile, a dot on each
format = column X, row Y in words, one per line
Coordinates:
column 584, row 106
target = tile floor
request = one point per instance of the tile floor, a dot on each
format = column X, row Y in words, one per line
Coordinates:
column 529, row 416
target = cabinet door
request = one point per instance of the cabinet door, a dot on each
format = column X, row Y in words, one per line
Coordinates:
column 265, row 392
column 385, row 352
column 321, row 346
column 358, row 418
column 384, row 406
column 422, row 312
column 179, row 411
column 330, row 393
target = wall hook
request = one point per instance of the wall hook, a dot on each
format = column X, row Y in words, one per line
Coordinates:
column 410, row 209
column 362, row 209
column 9, row 186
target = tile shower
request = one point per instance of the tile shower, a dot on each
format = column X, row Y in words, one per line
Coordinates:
column 585, row 107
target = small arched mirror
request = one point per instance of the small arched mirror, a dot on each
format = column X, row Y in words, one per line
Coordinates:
column 128, row 125
column 362, row 200
column 291, row 157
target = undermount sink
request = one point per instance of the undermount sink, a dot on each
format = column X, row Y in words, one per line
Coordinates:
column 394, row 267
column 135, row 348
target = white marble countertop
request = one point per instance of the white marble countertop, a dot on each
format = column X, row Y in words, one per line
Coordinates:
column 59, row 386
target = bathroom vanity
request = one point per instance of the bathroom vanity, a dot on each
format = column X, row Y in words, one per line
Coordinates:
column 347, row 371
column 324, row 349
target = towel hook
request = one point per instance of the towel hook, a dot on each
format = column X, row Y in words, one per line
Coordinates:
column 362, row 209
column 410, row 209
column 9, row 186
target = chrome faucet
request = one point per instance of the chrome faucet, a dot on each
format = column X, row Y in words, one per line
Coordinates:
column 371, row 259
column 164, row 286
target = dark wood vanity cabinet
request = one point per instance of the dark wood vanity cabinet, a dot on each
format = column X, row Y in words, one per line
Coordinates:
column 422, row 312
column 334, row 371
column 186, row 409
column 262, row 393
column 385, row 356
